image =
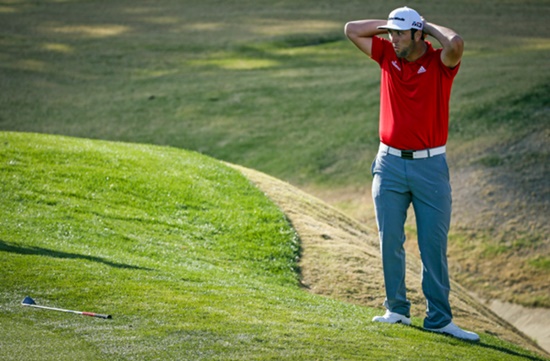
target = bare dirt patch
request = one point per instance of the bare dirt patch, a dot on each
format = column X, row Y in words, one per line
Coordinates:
column 532, row 321
column 506, row 186
column 501, row 208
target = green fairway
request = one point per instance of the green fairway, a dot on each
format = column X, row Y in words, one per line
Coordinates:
column 190, row 259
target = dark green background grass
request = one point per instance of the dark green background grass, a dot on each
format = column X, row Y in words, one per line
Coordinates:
column 274, row 86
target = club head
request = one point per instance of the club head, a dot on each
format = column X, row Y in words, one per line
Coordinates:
column 28, row 301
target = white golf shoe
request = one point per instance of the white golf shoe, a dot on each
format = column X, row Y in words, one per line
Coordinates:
column 392, row 317
column 455, row 331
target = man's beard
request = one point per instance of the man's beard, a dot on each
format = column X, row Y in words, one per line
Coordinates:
column 403, row 53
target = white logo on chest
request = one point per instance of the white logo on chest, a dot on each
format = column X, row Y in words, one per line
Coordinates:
column 394, row 63
column 421, row 70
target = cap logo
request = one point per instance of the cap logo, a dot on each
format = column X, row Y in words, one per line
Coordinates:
column 417, row 24
column 396, row 18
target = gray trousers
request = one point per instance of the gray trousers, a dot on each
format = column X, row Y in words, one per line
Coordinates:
column 397, row 183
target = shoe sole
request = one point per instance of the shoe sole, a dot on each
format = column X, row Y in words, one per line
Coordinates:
column 453, row 336
column 407, row 323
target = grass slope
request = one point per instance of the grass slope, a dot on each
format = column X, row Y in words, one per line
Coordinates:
column 192, row 261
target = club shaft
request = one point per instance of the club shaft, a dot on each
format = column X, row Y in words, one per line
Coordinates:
column 91, row 314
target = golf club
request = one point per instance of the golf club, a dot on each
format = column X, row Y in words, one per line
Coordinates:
column 30, row 303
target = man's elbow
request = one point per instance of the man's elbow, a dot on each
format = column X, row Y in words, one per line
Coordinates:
column 452, row 53
column 349, row 29
column 457, row 45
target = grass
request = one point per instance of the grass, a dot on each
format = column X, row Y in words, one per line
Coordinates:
column 276, row 87
column 191, row 260
column 541, row 263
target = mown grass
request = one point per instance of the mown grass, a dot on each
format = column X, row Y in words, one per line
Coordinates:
column 190, row 259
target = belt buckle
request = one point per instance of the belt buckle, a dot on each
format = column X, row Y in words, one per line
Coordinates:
column 407, row 154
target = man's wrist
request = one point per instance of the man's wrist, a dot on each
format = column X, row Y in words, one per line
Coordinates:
column 428, row 28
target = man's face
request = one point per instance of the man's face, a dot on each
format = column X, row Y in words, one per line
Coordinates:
column 402, row 42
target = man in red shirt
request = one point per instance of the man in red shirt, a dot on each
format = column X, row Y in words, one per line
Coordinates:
column 411, row 165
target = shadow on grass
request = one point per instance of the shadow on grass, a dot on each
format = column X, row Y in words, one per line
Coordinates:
column 510, row 352
column 38, row 251
column 503, row 350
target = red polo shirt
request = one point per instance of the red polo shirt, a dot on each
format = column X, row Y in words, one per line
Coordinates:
column 414, row 97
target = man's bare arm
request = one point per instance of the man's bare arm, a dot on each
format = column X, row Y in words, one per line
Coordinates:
column 361, row 32
column 452, row 43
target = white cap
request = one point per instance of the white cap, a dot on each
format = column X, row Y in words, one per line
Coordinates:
column 403, row 19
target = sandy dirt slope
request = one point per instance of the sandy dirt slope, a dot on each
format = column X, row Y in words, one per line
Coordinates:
column 532, row 321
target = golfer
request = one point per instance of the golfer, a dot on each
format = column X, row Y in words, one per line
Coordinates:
column 411, row 164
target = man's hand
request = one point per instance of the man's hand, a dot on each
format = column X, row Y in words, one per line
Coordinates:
column 361, row 32
column 452, row 43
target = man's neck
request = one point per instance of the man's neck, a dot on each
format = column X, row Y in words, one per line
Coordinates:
column 419, row 50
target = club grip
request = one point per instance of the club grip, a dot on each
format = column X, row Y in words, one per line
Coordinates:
column 91, row 314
